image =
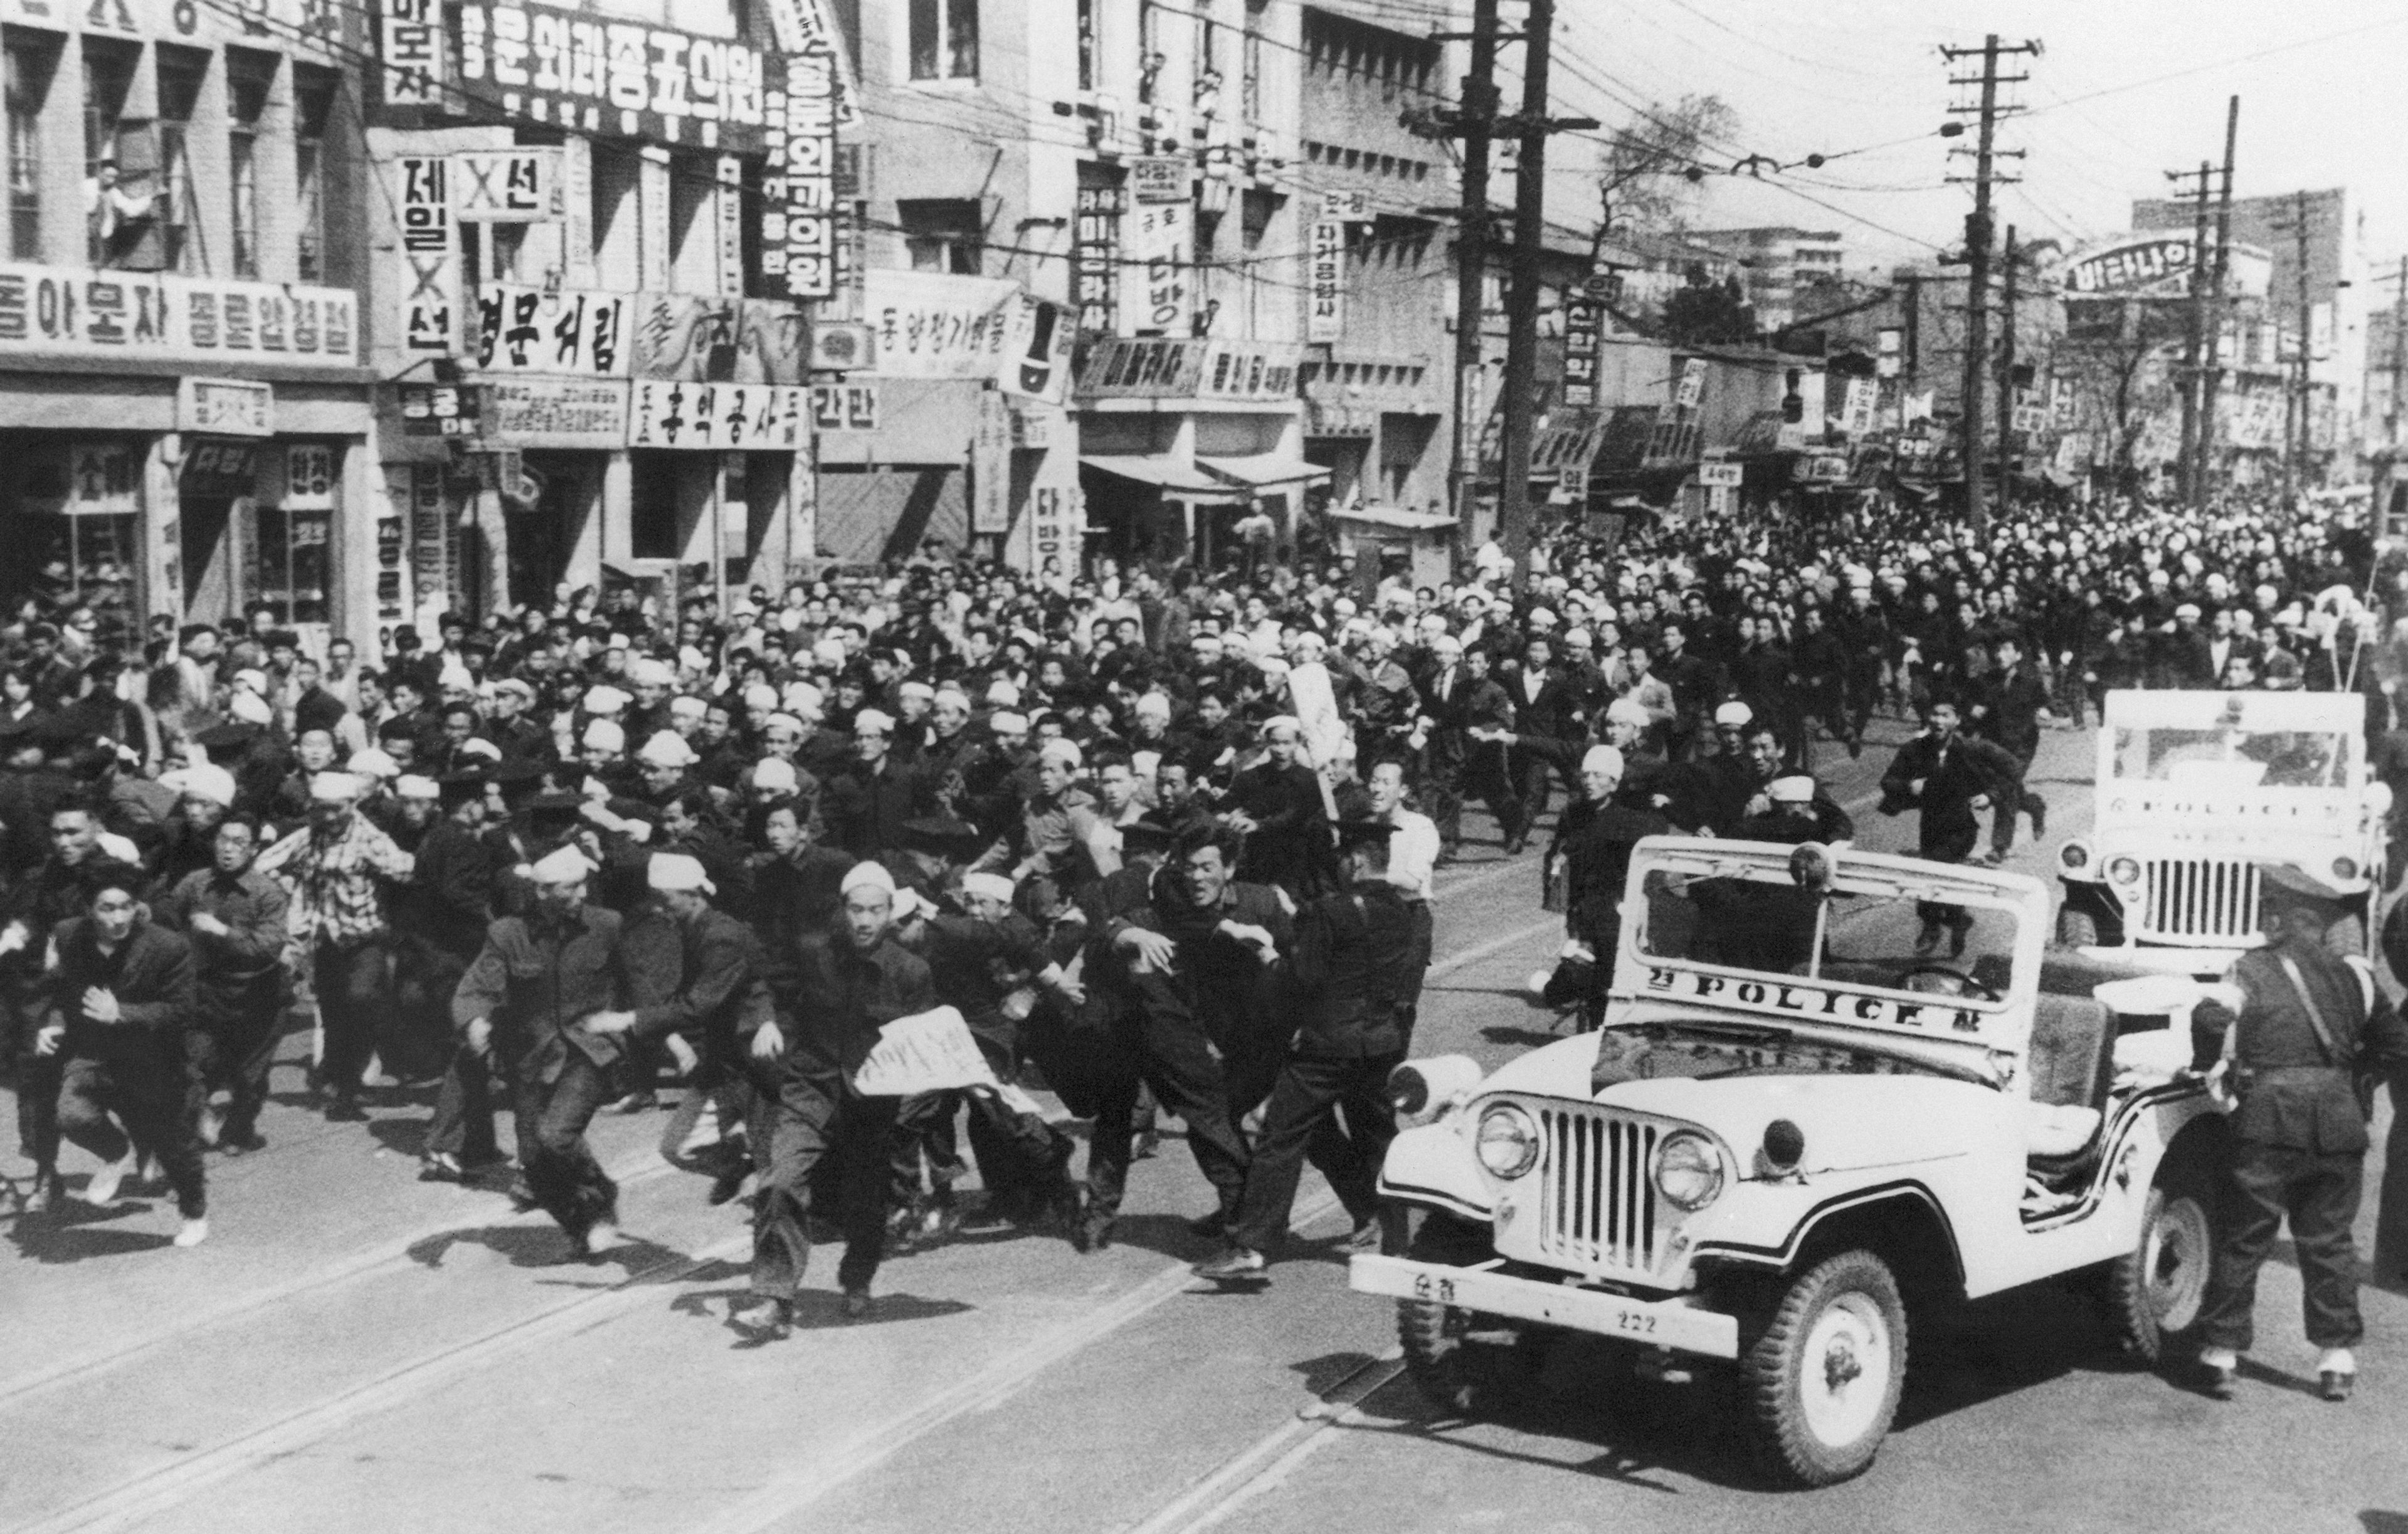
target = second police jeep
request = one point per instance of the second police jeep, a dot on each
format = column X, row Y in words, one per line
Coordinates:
column 2195, row 791
column 1792, row 1135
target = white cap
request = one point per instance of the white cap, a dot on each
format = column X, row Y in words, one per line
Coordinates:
column 868, row 876
column 1628, row 711
column 687, row 707
column 667, row 748
column 251, row 678
column 1446, row 646
column 1153, row 706
column 1733, row 713
column 761, row 695
column 562, row 865
column 1281, row 721
column 1005, row 722
column 476, row 746
column 830, row 653
column 994, row 887
column 874, row 719
column 616, row 641
column 775, row 774
column 916, row 689
column 1003, row 694
column 678, row 870
column 372, row 762
column 803, row 700
column 652, row 672
column 203, row 781
column 1797, row 788
column 604, row 700
column 251, row 708
column 334, row 788
column 1067, row 752
column 412, row 785
column 1602, row 759
column 605, row 735
column 953, row 690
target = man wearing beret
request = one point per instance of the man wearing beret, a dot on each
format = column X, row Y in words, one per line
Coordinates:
column 2307, row 1022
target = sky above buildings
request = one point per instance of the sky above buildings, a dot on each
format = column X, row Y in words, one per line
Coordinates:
column 2123, row 92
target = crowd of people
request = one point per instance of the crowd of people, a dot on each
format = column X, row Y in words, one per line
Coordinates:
column 1165, row 846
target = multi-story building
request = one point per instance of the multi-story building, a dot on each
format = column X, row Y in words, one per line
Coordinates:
column 593, row 375
column 1777, row 263
column 1380, row 346
column 2317, row 285
column 184, row 411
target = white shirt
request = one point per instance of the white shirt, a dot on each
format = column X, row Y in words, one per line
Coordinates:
column 1413, row 852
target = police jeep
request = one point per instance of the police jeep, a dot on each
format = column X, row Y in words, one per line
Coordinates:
column 2196, row 791
column 1792, row 1135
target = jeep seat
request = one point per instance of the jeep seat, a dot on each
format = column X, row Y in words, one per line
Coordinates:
column 2071, row 1064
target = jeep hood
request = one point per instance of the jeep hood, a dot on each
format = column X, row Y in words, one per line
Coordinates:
column 1850, row 1121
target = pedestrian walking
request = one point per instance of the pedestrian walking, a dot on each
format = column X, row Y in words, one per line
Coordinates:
column 234, row 918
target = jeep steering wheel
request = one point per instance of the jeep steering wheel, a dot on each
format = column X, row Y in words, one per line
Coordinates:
column 1961, row 976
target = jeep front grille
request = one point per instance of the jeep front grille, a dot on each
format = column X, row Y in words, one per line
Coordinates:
column 2206, row 899
column 1597, row 1197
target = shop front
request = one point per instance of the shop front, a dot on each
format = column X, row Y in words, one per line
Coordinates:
column 1193, row 450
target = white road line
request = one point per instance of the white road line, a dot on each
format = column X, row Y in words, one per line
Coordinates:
column 1270, row 1458
column 788, row 1495
column 171, row 1486
column 634, row 1170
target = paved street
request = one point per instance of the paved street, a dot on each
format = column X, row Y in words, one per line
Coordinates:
column 353, row 1348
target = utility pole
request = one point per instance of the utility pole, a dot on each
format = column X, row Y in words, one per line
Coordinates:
column 1522, row 297
column 2195, row 332
column 2007, row 378
column 2398, row 361
column 1977, row 248
column 2212, row 376
column 2298, row 422
column 1476, row 113
column 1909, row 368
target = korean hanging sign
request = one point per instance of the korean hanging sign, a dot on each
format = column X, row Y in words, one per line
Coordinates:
column 621, row 79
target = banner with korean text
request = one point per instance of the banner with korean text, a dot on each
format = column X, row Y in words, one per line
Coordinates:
column 76, row 311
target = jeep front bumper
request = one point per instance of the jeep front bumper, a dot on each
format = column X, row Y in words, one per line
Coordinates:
column 1656, row 1322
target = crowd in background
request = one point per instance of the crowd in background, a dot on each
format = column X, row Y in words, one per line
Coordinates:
column 578, row 859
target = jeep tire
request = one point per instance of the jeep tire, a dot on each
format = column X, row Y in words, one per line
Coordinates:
column 1823, row 1378
column 1461, row 1360
column 2155, row 1292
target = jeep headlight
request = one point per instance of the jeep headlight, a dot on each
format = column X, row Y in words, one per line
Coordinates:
column 2123, row 870
column 1506, row 1141
column 1689, row 1170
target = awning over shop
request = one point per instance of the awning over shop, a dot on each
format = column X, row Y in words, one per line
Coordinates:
column 1160, row 470
column 1395, row 516
column 1259, row 469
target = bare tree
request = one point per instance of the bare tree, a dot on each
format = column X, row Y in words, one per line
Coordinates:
column 1645, row 173
column 2120, row 357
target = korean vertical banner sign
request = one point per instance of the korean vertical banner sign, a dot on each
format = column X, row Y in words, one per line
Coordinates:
column 1160, row 237
column 1325, row 317
column 429, row 288
column 798, row 218
column 410, row 46
column 1583, row 318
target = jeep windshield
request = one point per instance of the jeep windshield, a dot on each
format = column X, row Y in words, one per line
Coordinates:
column 2223, row 756
column 1755, row 920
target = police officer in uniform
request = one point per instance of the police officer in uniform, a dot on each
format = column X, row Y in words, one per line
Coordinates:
column 1354, row 974
column 2307, row 1021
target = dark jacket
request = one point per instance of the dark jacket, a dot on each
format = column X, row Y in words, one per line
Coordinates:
column 447, row 903
column 251, row 905
column 154, row 981
column 536, row 978
column 2293, row 1092
column 1354, row 971
column 1952, row 778
column 720, row 996
column 850, row 995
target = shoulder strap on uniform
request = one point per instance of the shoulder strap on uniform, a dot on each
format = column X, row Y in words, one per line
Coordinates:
column 2333, row 1053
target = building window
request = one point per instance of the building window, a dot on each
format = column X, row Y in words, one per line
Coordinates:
column 29, row 71
column 182, row 70
column 1088, row 44
column 1150, row 58
column 942, row 235
column 248, row 79
column 944, row 39
column 313, row 105
column 292, row 566
column 120, row 174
